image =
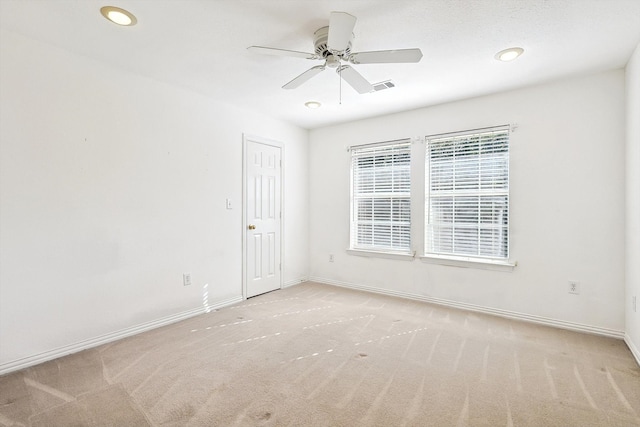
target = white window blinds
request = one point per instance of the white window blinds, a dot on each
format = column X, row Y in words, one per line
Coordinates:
column 381, row 197
column 467, row 200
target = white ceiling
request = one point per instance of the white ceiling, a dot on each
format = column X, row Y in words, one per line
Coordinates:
column 201, row 45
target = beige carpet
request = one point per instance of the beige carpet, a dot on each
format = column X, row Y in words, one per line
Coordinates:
column 317, row 355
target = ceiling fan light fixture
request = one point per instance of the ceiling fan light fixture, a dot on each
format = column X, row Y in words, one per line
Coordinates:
column 509, row 54
column 333, row 61
column 119, row 16
column 312, row 105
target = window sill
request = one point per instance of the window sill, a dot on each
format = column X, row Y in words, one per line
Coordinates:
column 465, row 262
column 380, row 254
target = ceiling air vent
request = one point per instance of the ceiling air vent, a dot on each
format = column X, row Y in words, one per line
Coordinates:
column 387, row 84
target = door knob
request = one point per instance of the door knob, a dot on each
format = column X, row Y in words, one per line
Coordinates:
column 252, row 227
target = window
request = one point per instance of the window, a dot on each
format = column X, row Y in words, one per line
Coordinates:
column 467, row 194
column 381, row 197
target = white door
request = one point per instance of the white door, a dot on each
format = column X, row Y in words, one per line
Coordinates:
column 263, row 219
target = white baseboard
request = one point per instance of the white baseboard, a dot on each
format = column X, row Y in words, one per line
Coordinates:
column 481, row 309
column 28, row 361
column 293, row 282
column 632, row 347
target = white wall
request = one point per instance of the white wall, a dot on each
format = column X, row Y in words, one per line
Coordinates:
column 633, row 204
column 112, row 186
column 567, row 205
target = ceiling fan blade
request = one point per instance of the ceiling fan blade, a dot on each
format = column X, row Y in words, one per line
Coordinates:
column 282, row 52
column 307, row 75
column 340, row 30
column 386, row 56
column 355, row 79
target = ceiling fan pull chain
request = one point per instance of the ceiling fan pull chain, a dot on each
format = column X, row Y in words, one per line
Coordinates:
column 340, row 85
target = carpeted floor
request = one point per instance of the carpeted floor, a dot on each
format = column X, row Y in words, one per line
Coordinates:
column 317, row 355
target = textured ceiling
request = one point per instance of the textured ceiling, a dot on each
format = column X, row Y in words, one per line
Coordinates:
column 201, row 45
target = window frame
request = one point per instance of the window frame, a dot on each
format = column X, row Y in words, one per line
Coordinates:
column 457, row 257
column 419, row 205
column 357, row 248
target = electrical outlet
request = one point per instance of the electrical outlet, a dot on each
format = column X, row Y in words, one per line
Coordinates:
column 574, row 287
column 229, row 204
column 634, row 302
column 186, row 279
column 330, row 257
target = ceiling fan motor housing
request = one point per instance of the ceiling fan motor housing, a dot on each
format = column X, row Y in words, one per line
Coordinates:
column 320, row 38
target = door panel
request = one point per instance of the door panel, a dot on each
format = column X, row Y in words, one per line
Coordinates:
column 263, row 217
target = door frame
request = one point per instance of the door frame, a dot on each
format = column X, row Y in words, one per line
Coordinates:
column 246, row 138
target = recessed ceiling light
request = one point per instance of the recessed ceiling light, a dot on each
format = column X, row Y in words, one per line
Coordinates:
column 312, row 104
column 118, row 16
column 509, row 54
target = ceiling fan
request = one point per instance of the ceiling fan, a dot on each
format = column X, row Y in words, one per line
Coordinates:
column 333, row 46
